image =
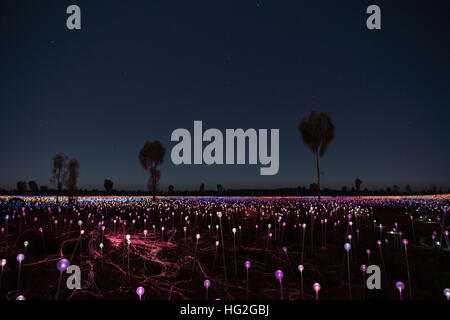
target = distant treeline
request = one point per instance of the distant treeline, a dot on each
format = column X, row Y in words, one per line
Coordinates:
column 299, row 191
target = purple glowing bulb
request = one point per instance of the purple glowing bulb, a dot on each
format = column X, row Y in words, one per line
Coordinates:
column 247, row 264
column 3, row 262
column 301, row 268
column 279, row 274
column 62, row 265
column 347, row 246
column 405, row 242
column 206, row 283
column 447, row 293
column 400, row 286
column 285, row 250
column 379, row 242
column 363, row 268
column 20, row 257
column 368, row 252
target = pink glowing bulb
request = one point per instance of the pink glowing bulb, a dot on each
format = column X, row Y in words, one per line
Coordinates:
column 3, row 262
column 197, row 236
column 206, row 283
column 347, row 246
column 316, row 287
column 379, row 242
column 219, row 214
column 301, row 268
column 368, row 252
column 41, row 230
column 217, row 243
column 233, row 230
column 285, row 250
column 363, row 268
column 247, row 264
column 62, row 265
column 279, row 274
column 140, row 292
column 20, row 257
column 405, row 242
column 304, row 225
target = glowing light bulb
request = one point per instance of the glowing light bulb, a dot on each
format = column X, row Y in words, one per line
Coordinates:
column 140, row 292
column 206, row 283
column 405, row 242
column 347, row 246
column 20, row 257
column 234, row 230
column 279, row 274
column 3, row 262
column 62, row 265
column 316, row 287
column 20, row 297
column 447, row 293
column 400, row 286
column 197, row 236
column 363, row 268
column 301, row 268
column 25, row 244
column 101, row 245
column 217, row 243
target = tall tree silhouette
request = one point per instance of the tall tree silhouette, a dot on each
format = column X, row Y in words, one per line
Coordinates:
column 73, row 169
column 317, row 132
column 151, row 156
column 59, row 172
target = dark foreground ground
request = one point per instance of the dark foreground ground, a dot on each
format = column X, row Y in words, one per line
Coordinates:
column 168, row 265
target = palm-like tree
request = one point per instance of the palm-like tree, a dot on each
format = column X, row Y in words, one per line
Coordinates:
column 151, row 156
column 317, row 132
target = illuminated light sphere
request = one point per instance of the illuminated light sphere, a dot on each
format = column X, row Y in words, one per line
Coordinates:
column 101, row 245
column 270, row 235
column 206, row 283
column 379, row 242
column 25, row 244
column 316, row 287
column 7, row 217
column 363, row 268
column 197, row 236
column 446, row 233
column 41, row 230
column 234, row 230
column 347, row 246
column 128, row 237
column 304, row 225
column 400, row 285
column 3, row 262
column 368, row 251
column 20, row 257
column 217, row 243
column 145, row 232
column 219, row 214
column 269, row 226
column 284, row 249
column 279, row 274
column 301, row 268
column 162, row 228
column 447, row 293
column 247, row 264
column 62, row 265
column 140, row 291
column 20, row 297
column 82, row 232
column 80, row 223
column 405, row 242
column 128, row 242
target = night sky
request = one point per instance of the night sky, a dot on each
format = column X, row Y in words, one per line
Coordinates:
column 137, row 70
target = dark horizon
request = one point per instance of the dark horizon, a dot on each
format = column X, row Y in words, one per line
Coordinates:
column 137, row 72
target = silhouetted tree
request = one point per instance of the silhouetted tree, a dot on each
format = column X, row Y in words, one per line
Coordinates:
column 317, row 132
column 108, row 184
column 344, row 189
column 73, row 169
column 202, row 188
column 358, row 183
column 59, row 172
column 32, row 185
column 151, row 156
column 219, row 188
column 21, row 186
column 171, row 188
column 44, row 189
column 313, row 188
